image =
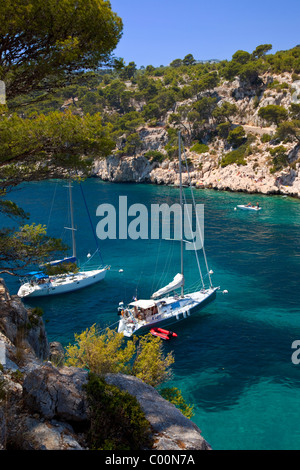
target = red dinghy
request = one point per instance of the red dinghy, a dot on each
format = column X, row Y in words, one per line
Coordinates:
column 164, row 334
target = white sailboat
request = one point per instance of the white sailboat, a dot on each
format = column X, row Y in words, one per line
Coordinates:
column 38, row 283
column 163, row 309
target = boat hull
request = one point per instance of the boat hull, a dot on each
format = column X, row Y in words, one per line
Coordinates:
column 245, row 208
column 172, row 319
column 70, row 284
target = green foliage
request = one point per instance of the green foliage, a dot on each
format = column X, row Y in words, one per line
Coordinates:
column 116, row 95
column 280, row 149
column 225, row 111
column 173, row 395
column 284, row 61
column 235, row 156
column 209, row 81
column 237, row 136
column 37, row 311
column 133, row 144
column 176, row 63
column 223, row 129
column 265, row 138
column 261, row 50
column 276, row 85
column 109, row 352
column 58, row 139
column 249, row 74
column 288, row 130
column 128, row 123
column 117, row 421
column 150, row 364
column 63, row 38
column 152, row 110
column 128, row 71
column 242, row 57
column 189, row 60
column 280, row 158
column 231, row 70
column 273, row 113
column 155, row 156
column 199, row 148
column 295, row 111
column 31, row 240
column 202, row 111
column 101, row 353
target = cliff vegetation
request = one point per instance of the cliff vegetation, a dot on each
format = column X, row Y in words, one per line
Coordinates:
column 240, row 120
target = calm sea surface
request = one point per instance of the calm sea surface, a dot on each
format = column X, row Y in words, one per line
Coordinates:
column 233, row 359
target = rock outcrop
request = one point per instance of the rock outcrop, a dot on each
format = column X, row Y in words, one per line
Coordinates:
column 120, row 170
column 206, row 170
column 45, row 407
column 171, row 429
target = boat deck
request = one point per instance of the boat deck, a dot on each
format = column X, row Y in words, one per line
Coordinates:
column 171, row 309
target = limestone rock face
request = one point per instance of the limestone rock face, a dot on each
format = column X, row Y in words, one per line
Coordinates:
column 172, row 430
column 52, row 435
column 56, row 393
column 129, row 169
column 20, row 325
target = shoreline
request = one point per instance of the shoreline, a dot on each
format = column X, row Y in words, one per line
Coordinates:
column 233, row 178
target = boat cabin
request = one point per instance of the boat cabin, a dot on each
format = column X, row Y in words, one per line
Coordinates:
column 143, row 308
column 38, row 277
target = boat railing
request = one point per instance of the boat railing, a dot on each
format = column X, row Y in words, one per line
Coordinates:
column 95, row 267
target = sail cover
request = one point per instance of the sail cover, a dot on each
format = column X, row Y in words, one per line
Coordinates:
column 175, row 284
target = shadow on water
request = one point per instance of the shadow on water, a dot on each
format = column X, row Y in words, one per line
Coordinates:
column 216, row 361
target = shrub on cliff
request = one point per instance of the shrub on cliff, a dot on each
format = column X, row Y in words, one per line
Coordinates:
column 273, row 113
column 109, row 352
column 235, row 156
column 155, row 156
column 117, row 420
column 173, row 395
column 199, row 148
column 237, row 136
column 280, row 158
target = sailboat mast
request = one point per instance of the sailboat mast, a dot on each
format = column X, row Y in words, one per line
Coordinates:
column 181, row 205
column 72, row 220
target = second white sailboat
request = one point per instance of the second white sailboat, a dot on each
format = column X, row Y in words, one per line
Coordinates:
column 39, row 283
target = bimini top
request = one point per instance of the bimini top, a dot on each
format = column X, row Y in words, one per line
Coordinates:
column 144, row 304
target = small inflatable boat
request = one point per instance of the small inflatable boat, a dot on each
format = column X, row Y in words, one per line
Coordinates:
column 249, row 208
column 164, row 334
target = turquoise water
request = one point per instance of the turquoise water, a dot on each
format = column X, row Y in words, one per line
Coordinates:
column 233, row 359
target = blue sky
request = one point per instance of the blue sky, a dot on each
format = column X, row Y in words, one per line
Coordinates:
column 159, row 31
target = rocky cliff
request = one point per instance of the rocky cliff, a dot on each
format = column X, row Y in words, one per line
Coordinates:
column 254, row 175
column 44, row 406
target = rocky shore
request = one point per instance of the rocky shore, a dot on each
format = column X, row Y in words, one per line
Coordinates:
column 43, row 404
column 205, row 172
